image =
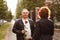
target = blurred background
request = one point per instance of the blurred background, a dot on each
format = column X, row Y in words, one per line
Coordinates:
column 10, row 10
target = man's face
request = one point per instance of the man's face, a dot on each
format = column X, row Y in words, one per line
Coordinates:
column 25, row 14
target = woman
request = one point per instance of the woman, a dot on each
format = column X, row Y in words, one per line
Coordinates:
column 44, row 27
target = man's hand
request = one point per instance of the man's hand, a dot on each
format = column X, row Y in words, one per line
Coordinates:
column 23, row 31
column 30, row 38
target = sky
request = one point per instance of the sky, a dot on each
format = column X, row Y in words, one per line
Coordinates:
column 12, row 4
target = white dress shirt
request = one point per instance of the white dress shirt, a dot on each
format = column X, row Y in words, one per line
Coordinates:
column 27, row 28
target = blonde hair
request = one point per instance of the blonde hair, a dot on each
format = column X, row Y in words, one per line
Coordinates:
column 25, row 10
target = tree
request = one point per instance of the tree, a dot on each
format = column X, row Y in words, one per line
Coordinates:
column 3, row 9
column 57, row 12
column 55, row 8
column 19, row 8
column 9, row 16
column 29, row 4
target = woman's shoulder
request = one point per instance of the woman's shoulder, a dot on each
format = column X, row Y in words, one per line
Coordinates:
column 50, row 20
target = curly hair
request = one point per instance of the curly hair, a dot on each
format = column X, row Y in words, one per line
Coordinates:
column 44, row 12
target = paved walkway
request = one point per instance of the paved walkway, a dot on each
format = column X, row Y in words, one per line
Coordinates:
column 10, row 35
column 57, row 34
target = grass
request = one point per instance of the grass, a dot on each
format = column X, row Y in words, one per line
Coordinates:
column 3, row 30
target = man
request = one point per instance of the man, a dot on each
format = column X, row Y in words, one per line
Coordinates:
column 24, row 27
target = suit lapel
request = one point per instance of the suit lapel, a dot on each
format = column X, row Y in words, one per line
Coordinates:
column 30, row 24
column 21, row 23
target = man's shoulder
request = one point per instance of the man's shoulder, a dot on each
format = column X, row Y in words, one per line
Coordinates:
column 38, row 21
column 17, row 20
column 30, row 20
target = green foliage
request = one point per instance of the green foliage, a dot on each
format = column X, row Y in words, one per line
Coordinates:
column 9, row 16
column 29, row 4
column 19, row 8
column 4, row 13
column 56, row 11
column 3, row 30
column 3, row 9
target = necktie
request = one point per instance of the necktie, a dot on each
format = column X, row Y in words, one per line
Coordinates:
column 26, row 22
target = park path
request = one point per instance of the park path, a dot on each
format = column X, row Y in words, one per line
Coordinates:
column 11, row 36
column 56, row 34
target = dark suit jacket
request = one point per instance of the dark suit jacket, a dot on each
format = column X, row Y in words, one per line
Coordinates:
column 43, row 27
column 19, row 26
